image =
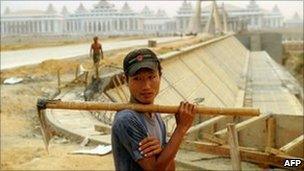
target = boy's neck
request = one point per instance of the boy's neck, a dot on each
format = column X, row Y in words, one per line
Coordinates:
column 133, row 100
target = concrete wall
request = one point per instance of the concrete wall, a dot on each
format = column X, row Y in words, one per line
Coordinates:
column 272, row 43
column 269, row 42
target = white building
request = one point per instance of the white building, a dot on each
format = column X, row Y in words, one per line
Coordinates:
column 31, row 22
column 295, row 22
column 252, row 16
column 105, row 19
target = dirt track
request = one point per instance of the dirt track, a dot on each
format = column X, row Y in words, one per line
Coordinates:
column 21, row 142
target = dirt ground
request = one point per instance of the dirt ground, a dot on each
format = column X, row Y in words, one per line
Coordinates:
column 22, row 147
column 294, row 60
column 26, row 42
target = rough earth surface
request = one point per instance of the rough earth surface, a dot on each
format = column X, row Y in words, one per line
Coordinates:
column 22, row 147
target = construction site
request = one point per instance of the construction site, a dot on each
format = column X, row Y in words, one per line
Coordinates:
column 54, row 118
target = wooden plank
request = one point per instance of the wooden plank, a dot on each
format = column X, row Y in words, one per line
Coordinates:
column 116, row 89
column 293, row 144
column 58, row 79
column 246, row 155
column 274, row 151
column 234, row 147
column 76, row 71
column 244, row 124
column 270, row 132
column 120, row 87
column 103, row 128
column 214, row 139
column 205, row 124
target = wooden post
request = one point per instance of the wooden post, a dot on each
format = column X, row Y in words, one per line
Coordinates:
column 58, row 79
column 270, row 132
column 234, row 147
column 86, row 78
column 76, row 72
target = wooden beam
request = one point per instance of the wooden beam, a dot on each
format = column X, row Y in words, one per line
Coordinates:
column 205, row 124
column 293, row 144
column 274, row 151
column 116, row 89
column 102, row 128
column 234, row 147
column 246, row 155
column 76, row 71
column 120, row 87
column 271, row 132
column 213, row 139
column 242, row 125
column 58, row 79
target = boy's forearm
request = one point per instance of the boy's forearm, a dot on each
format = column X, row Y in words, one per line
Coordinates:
column 169, row 152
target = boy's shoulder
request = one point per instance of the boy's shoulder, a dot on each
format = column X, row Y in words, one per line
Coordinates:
column 125, row 115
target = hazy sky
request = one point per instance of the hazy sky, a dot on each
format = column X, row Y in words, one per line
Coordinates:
column 287, row 7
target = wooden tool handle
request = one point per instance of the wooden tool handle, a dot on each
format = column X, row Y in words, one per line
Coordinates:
column 58, row 104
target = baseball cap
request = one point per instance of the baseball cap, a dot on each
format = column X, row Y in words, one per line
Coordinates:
column 138, row 59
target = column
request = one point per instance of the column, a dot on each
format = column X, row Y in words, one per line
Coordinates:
column 17, row 27
column 86, row 28
column 34, row 26
column 128, row 24
column 4, row 28
column 76, row 26
column 42, row 26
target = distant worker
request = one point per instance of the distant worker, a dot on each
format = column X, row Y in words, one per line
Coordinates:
column 96, row 50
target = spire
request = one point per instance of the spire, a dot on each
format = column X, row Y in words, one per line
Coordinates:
column 296, row 16
column 161, row 13
column 146, row 11
column 253, row 5
column 185, row 8
column 252, row 2
column 103, row 3
column 276, row 9
column 126, row 8
column 7, row 10
column 104, row 6
column 51, row 9
column 81, row 9
column 64, row 11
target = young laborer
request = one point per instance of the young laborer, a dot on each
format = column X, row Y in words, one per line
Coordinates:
column 139, row 139
column 97, row 53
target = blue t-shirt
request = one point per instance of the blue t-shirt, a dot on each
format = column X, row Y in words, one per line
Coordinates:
column 129, row 128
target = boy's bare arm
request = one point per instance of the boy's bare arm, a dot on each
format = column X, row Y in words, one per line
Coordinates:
column 164, row 160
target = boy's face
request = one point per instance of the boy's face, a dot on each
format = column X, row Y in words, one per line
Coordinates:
column 144, row 85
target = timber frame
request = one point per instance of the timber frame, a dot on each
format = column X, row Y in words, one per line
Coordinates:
column 271, row 156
